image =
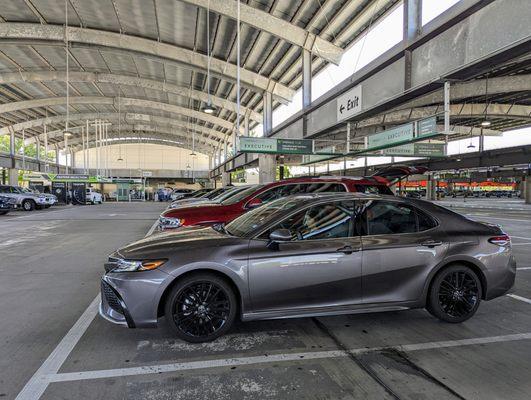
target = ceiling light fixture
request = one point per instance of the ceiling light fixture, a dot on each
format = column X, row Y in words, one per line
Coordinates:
column 209, row 108
column 486, row 122
column 68, row 134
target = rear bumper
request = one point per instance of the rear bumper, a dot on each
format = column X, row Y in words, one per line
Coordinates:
column 501, row 281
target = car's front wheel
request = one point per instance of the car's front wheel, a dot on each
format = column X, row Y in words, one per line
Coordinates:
column 201, row 307
column 28, row 205
column 455, row 294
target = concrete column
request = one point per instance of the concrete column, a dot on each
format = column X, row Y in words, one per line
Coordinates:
column 268, row 113
column 13, row 177
column 246, row 124
column 429, row 188
column 11, row 142
column 225, row 178
column 412, row 19
column 527, row 187
column 306, row 78
column 267, row 168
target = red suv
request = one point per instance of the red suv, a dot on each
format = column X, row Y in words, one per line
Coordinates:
column 255, row 196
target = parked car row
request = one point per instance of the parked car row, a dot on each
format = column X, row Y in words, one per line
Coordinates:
column 304, row 247
column 26, row 199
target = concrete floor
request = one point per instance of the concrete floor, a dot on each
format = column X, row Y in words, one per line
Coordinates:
column 50, row 267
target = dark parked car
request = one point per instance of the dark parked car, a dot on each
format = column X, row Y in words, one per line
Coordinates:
column 226, row 211
column 302, row 256
column 6, row 204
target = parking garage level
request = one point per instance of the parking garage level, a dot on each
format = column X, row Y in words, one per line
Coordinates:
column 76, row 354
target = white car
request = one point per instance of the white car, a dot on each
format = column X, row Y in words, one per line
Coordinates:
column 27, row 199
column 93, row 196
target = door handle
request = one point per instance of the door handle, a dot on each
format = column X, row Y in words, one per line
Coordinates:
column 347, row 250
column 431, row 243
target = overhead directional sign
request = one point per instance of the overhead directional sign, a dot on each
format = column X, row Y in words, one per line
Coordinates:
column 400, row 134
column 277, row 146
column 417, row 150
column 427, row 127
column 349, row 104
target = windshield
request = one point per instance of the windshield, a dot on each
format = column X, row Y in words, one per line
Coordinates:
column 214, row 193
column 245, row 224
column 229, row 193
column 242, row 195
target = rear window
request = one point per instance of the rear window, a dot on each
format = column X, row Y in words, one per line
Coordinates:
column 373, row 189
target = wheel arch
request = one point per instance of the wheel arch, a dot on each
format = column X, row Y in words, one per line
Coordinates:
column 473, row 264
column 164, row 296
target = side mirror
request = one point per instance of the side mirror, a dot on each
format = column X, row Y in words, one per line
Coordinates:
column 253, row 203
column 280, row 235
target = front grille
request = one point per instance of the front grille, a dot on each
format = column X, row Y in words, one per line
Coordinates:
column 111, row 297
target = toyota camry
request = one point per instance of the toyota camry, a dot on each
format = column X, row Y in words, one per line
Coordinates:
column 309, row 255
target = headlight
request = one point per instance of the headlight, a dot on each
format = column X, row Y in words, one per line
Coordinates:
column 42, row 196
column 169, row 222
column 137, row 265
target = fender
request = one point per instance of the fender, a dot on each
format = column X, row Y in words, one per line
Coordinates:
column 456, row 258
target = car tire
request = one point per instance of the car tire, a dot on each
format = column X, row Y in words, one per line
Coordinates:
column 28, row 205
column 47, row 206
column 455, row 294
column 183, row 305
column 3, row 212
column 38, row 207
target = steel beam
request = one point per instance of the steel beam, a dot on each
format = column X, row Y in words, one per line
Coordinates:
column 278, row 27
column 306, row 78
column 126, row 80
column 35, row 33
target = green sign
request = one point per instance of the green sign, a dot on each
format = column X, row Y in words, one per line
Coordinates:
column 275, row 146
column 417, row 150
column 295, row 146
column 257, row 145
column 66, row 178
column 427, row 127
column 398, row 135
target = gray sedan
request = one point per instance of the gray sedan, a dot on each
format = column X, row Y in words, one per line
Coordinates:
column 309, row 255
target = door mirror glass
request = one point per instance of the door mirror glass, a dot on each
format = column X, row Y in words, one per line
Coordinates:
column 280, row 235
column 253, row 203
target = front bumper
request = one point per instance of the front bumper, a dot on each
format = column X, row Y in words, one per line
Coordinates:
column 132, row 298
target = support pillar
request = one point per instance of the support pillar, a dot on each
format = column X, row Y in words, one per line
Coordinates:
column 306, row 78
column 527, row 187
column 412, row 19
column 225, row 178
column 268, row 113
column 267, row 168
column 13, row 177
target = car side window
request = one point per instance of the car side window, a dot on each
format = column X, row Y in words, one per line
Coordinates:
column 323, row 187
column 386, row 217
column 325, row 221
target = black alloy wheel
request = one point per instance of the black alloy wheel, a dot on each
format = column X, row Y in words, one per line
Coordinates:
column 201, row 308
column 455, row 294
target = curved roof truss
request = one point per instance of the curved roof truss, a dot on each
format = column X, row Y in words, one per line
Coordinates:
column 94, row 37
column 117, row 79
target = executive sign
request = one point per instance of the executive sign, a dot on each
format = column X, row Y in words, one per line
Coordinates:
column 427, row 127
column 275, row 146
column 417, row 150
column 349, row 104
column 398, row 135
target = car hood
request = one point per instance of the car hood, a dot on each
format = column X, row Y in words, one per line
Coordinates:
column 161, row 244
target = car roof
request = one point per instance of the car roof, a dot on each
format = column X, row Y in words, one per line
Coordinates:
column 331, row 178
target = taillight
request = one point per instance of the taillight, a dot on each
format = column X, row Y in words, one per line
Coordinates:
column 502, row 240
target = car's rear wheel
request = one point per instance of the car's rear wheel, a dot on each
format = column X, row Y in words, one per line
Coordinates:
column 3, row 212
column 201, row 307
column 455, row 294
column 28, row 205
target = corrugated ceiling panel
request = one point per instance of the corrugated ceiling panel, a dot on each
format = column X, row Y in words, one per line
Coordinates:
column 176, row 22
column 137, row 17
column 17, row 11
column 53, row 12
column 97, row 14
column 120, row 63
column 90, row 59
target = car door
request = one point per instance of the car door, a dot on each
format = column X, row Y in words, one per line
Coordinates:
column 400, row 246
column 320, row 267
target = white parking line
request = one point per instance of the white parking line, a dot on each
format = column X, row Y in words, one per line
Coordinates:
column 520, row 244
column 516, row 297
column 38, row 383
column 152, row 229
column 275, row 358
column 523, row 269
column 40, row 380
column 507, row 219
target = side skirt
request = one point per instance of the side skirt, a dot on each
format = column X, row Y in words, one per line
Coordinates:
column 328, row 311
